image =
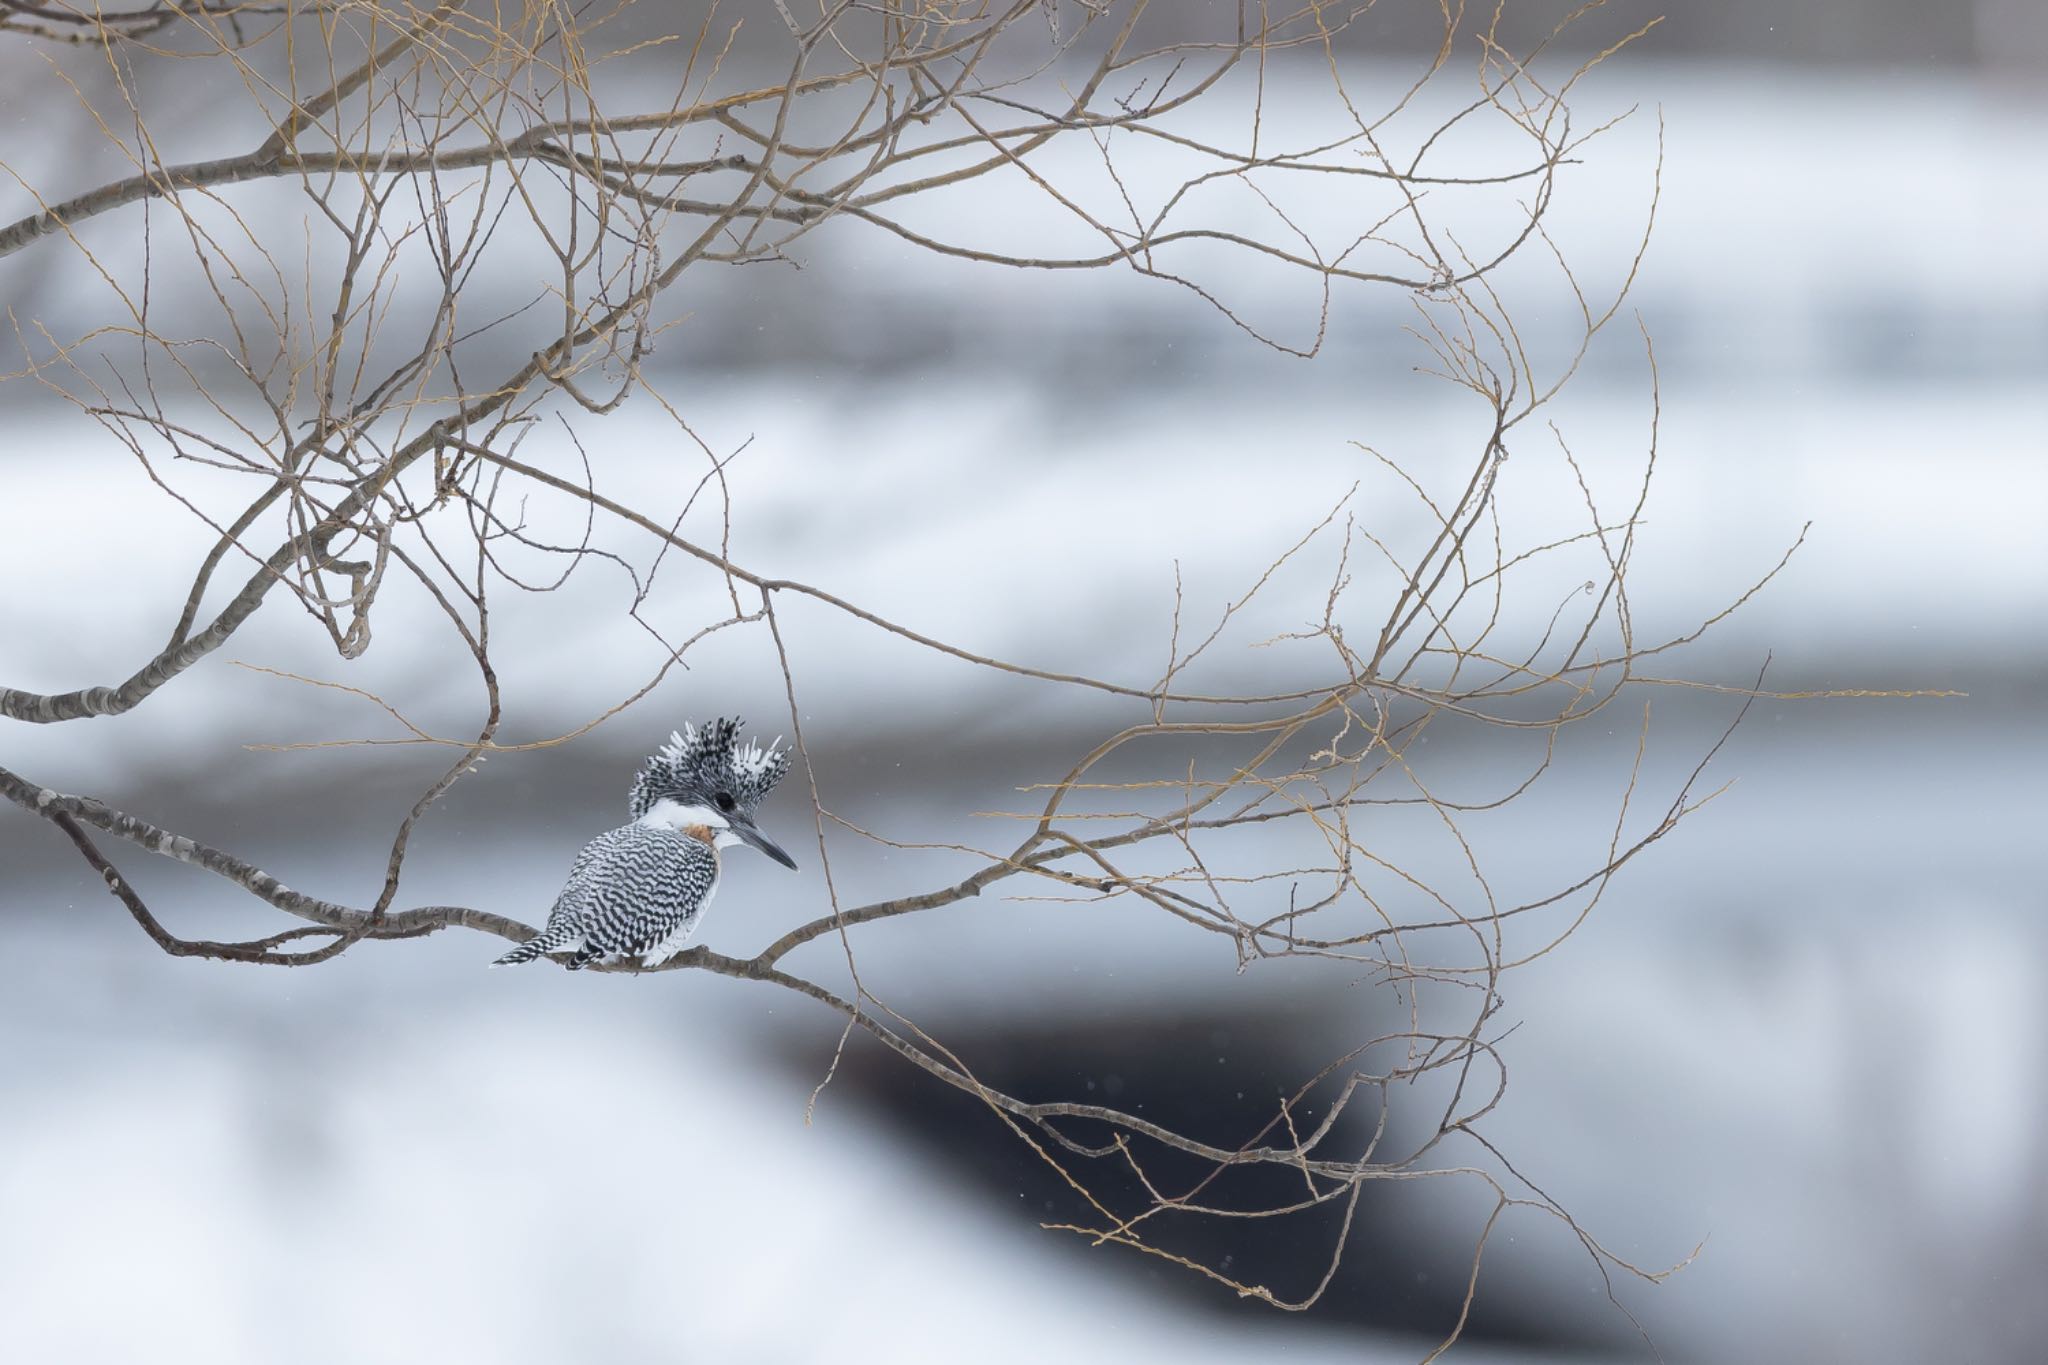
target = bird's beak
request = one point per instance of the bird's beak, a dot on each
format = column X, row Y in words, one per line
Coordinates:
column 751, row 833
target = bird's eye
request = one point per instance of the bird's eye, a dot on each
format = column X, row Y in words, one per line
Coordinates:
column 723, row 801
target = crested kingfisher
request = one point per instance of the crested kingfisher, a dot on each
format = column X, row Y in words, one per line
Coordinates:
column 640, row 890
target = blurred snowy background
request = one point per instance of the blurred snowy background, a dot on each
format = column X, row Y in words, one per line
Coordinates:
column 1809, row 1029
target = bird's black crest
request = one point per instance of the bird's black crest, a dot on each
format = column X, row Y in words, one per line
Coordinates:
column 700, row 762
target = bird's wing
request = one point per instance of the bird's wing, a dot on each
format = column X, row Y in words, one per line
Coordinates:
column 634, row 886
column 572, row 903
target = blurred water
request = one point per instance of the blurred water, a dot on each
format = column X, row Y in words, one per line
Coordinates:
column 1808, row 1030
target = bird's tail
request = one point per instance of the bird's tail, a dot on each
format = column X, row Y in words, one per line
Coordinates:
column 546, row 941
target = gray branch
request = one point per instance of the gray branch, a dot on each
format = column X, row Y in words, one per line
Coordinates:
column 68, row 813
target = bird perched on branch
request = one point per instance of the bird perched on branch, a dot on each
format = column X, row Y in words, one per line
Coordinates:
column 640, row 890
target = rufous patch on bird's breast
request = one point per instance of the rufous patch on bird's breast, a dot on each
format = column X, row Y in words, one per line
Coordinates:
column 703, row 835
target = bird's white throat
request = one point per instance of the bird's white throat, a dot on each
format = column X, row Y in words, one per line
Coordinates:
column 668, row 814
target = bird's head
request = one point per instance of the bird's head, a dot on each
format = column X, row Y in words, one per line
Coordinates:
column 703, row 777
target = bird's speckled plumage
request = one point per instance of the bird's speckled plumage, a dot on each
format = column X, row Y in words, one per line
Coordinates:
column 640, row 890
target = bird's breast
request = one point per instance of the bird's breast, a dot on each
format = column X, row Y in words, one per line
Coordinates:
column 704, row 835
